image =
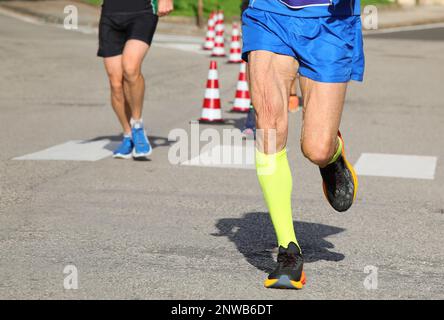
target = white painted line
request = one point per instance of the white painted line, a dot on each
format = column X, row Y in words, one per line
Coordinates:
column 76, row 150
column 25, row 18
column 406, row 28
column 189, row 47
column 397, row 166
column 169, row 38
column 226, row 156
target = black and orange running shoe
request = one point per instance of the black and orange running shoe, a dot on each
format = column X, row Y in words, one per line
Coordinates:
column 340, row 182
column 289, row 273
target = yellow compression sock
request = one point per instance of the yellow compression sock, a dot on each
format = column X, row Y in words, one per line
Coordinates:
column 276, row 182
column 338, row 152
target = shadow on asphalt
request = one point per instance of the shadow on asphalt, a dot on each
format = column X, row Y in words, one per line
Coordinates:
column 237, row 123
column 156, row 142
column 254, row 237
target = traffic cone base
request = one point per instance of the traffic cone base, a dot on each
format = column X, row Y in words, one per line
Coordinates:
column 203, row 120
column 239, row 110
column 211, row 115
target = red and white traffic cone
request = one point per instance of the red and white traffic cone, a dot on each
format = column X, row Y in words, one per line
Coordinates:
column 219, row 41
column 211, row 110
column 235, row 47
column 221, row 19
column 211, row 32
column 242, row 100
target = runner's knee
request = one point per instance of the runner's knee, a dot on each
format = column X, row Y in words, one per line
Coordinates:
column 318, row 151
column 131, row 72
column 116, row 84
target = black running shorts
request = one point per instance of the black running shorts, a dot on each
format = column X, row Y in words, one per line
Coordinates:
column 115, row 29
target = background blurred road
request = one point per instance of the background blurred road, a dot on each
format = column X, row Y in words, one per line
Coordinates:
column 153, row 230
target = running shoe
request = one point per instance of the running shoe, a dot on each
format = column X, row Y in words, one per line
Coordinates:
column 289, row 273
column 340, row 182
column 248, row 133
column 125, row 149
column 142, row 146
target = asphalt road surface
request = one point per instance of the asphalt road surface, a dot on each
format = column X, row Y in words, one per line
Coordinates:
column 155, row 230
column 416, row 33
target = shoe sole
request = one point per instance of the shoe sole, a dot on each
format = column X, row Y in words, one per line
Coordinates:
column 284, row 282
column 122, row 156
column 350, row 168
column 141, row 155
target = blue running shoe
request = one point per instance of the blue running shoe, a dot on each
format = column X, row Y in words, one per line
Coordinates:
column 142, row 147
column 125, row 149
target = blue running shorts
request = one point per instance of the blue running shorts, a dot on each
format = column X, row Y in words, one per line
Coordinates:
column 328, row 49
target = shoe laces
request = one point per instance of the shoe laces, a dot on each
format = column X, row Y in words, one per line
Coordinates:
column 125, row 142
column 137, row 136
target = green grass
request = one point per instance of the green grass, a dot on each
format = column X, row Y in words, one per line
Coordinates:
column 231, row 7
column 189, row 7
column 376, row 2
column 96, row 2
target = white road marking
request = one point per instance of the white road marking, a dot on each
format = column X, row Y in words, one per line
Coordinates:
column 189, row 47
column 226, row 156
column 25, row 18
column 397, row 166
column 76, row 150
column 405, row 28
column 170, row 38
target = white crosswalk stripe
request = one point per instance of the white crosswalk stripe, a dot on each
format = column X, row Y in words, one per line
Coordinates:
column 243, row 157
column 396, row 166
column 75, row 150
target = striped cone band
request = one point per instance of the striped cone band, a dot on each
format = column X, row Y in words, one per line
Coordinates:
column 219, row 42
column 219, row 46
column 242, row 99
column 211, row 33
column 212, row 93
column 220, row 20
column 235, row 47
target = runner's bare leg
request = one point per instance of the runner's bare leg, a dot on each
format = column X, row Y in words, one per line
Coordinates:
column 114, row 69
column 322, row 112
column 133, row 80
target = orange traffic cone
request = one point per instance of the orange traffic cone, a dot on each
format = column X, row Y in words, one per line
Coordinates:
column 211, row 111
column 219, row 41
column 235, row 48
column 242, row 100
column 293, row 103
column 211, row 32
